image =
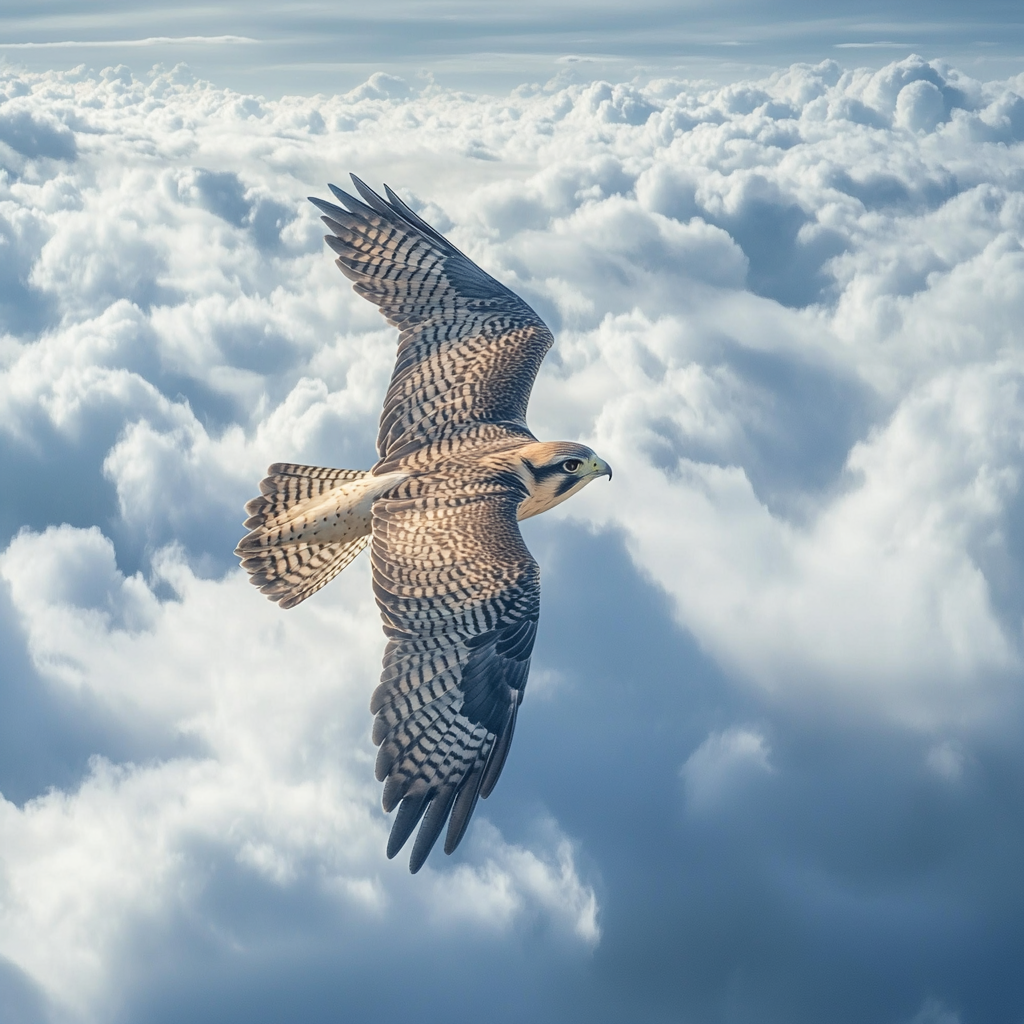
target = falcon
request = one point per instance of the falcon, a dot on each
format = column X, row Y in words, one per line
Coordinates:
column 458, row 591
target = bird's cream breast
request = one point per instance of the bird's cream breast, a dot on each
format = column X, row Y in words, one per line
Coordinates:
column 544, row 496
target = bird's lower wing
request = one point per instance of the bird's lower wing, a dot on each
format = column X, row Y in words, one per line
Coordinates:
column 460, row 597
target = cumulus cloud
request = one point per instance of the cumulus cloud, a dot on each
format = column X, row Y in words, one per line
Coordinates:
column 280, row 781
column 721, row 761
column 787, row 311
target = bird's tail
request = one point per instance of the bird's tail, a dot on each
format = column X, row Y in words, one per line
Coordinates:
column 305, row 527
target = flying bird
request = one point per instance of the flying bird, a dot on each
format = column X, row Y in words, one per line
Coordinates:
column 458, row 591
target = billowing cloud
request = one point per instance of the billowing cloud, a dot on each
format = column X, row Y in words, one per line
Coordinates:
column 273, row 771
column 780, row 658
column 722, row 761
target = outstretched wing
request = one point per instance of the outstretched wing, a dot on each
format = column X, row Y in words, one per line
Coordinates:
column 460, row 597
column 469, row 348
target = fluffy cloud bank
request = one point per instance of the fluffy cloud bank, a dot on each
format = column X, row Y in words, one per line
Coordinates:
column 269, row 772
column 786, row 311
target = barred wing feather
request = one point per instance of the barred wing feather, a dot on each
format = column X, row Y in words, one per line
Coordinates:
column 469, row 348
column 460, row 634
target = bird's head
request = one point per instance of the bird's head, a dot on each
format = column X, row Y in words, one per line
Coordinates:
column 555, row 470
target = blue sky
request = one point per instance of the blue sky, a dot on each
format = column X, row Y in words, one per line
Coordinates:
column 769, row 763
column 273, row 49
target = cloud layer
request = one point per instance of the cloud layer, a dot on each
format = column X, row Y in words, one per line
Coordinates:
column 767, row 763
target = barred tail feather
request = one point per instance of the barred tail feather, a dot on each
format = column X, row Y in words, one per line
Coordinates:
column 290, row 574
column 307, row 524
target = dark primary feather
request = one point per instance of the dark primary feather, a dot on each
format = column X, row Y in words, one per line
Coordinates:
column 461, row 632
column 469, row 348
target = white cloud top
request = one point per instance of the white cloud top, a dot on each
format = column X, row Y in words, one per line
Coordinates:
column 787, row 312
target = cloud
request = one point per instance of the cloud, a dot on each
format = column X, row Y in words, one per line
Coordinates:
column 496, row 893
column 35, row 135
column 66, row 44
column 787, row 311
column 723, row 760
column 269, row 785
column 946, row 759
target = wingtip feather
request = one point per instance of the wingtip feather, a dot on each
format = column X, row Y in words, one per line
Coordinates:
column 350, row 202
column 499, row 752
column 462, row 811
column 408, row 817
column 325, row 207
column 433, row 822
column 374, row 201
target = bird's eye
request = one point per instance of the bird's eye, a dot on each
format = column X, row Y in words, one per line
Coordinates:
column 571, row 465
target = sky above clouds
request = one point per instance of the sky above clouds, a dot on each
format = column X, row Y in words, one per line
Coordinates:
column 769, row 764
column 274, row 49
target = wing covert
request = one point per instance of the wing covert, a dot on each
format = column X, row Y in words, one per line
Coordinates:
column 469, row 348
column 460, row 597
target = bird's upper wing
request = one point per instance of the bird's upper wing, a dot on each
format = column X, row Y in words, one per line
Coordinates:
column 469, row 348
column 460, row 597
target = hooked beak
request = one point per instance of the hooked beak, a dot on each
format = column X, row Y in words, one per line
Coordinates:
column 601, row 468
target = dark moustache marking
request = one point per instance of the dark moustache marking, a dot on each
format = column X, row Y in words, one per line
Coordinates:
column 566, row 485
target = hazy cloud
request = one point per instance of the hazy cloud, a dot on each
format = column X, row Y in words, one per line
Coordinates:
column 766, row 773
